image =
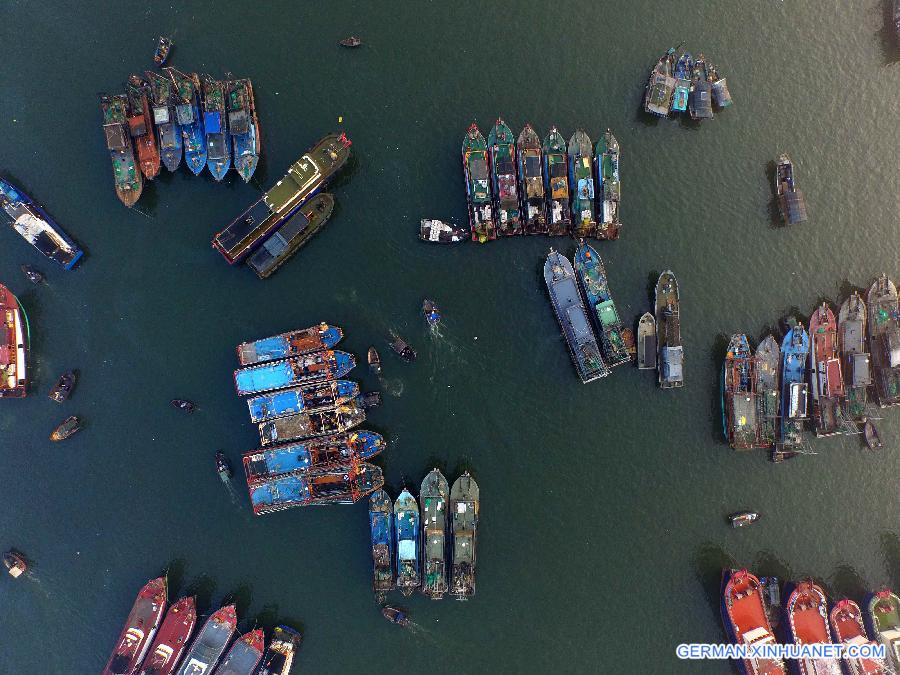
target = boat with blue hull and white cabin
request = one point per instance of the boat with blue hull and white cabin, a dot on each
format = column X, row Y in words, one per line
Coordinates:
column 311, row 455
column 315, row 367
column 291, row 343
column 309, row 398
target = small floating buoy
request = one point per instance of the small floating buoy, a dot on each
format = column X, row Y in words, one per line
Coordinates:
column 340, row 118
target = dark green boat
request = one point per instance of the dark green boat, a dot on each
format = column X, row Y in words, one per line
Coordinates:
column 433, row 508
column 503, row 176
column 556, row 183
column 531, row 182
column 594, row 284
column 478, row 186
column 581, row 178
column 606, row 162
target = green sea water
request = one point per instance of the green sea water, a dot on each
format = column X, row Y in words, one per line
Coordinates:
column 602, row 532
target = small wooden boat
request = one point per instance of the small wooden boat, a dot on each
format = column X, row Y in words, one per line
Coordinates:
column 430, row 310
column 630, row 344
column 374, row 361
column 351, row 42
column 223, row 466
column 69, row 426
column 32, row 274
column 439, row 232
column 15, row 563
column 646, row 342
column 394, row 615
column 163, row 47
column 371, row 399
column 183, row 404
column 873, row 438
column 403, row 350
column 743, row 518
column 63, row 387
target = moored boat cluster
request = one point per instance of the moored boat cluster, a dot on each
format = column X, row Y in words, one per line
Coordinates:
column 827, row 376
column 685, row 84
column 156, row 640
column 309, row 453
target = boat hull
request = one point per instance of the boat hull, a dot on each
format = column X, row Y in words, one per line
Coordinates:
column 668, row 332
column 408, row 543
column 312, row 455
column 340, row 485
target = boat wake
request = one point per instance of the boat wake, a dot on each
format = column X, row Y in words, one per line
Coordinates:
column 392, row 386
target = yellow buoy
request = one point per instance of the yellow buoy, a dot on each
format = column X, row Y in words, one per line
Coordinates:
column 340, row 118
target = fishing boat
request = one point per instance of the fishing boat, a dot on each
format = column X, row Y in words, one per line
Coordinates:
column 766, row 365
column 187, row 115
column 794, row 391
column 433, row 508
column 245, row 654
column 594, row 284
column 700, row 99
column 439, row 232
column 68, row 427
column 223, row 467
column 482, row 224
column 743, row 518
column 646, row 342
column 720, row 93
column 344, row 484
column 572, row 316
column 312, row 455
column 351, row 42
column 606, row 164
column 15, row 563
column 140, row 125
column 395, row 615
column 503, row 176
column 183, row 404
column 884, row 340
column 306, row 368
column 807, row 613
column 374, row 360
column 36, row 227
column 791, row 202
column 243, row 125
column 884, row 624
column 307, row 398
column 171, row 639
column 402, row 349
column 381, row 521
column 556, row 183
column 309, row 425
column 168, row 131
column 305, row 177
column 163, row 48
column 827, row 388
column 14, row 337
column 871, row 435
column 739, row 405
column 292, row 343
column 746, row 621
column 279, row 656
column 848, row 629
column 288, row 238
column 581, row 179
column 63, row 387
column 856, row 361
column 127, row 176
column 531, row 182
column 140, row 627
column 215, row 124
column 431, row 312
column 32, row 274
column 407, row 533
column 684, row 69
column 464, row 502
column 661, row 86
column 668, row 331
column 210, row 643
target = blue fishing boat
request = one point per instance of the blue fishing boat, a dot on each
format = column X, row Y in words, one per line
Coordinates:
column 381, row 524
column 312, row 455
column 292, row 343
column 309, row 398
column 794, row 392
column 684, row 69
column 316, row 367
column 168, row 131
column 592, row 277
column 339, row 485
column 215, row 124
column 187, row 114
column 243, row 126
column 606, row 165
column 36, row 227
column 407, row 528
column 581, row 180
column 312, row 424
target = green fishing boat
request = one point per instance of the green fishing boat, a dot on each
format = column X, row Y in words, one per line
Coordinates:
column 503, row 176
column 531, row 182
column 433, row 507
column 581, row 178
column 556, row 183
column 128, row 180
column 594, row 284
column 478, row 186
column 852, row 346
column 606, row 161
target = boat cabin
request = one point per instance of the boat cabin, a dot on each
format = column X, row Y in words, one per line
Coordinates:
column 892, row 347
column 860, row 375
column 115, row 136
column 671, row 364
column 799, row 396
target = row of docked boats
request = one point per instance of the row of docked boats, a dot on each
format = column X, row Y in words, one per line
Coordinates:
column 829, row 374
column 163, row 117
column 752, row 611
column 286, row 217
column 306, row 415
column 412, row 542
column 520, row 185
column 680, row 83
column 156, row 640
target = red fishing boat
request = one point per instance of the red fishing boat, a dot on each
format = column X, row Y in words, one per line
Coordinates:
column 140, row 125
column 172, row 638
column 244, row 655
column 13, row 336
column 825, row 372
column 143, row 620
column 745, row 619
column 807, row 610
column 847, row 626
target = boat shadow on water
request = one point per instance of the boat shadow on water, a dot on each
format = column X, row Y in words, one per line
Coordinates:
column 241, row 597
column 890, row 547
column 174, row 573
column 202, row 588
column 845, row 582
column 269, row 617
column 708, row 561
column 887, row 35
column 776, row 222
column 717, row 356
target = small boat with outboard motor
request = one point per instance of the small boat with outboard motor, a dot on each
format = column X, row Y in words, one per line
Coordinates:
column 438, row 232
column 433, row 504
column 14, row 340
column 223, row 466
column 739, row 395
column 853, row 348
column 668, row 331
column 807, row 613
column 883, row 620
column 15, row 563
column 848, row 628
column 63, row 387
column 884, row 340
column 791, row 202
column 36, row 227
column 126, row 175
column 187, row 115
column 661, row 85
column 140, row 628
column 395, row 615
column 743, row 518
column 243, row 125
column 381, row 523
column 168, row 131
column 245, row 654
column 171, row 639
column 595, row 285
column 826, row 379
column 66, row 428
column 531, row 182
column 351, row 42
column 794, row 392
column 279, row 656
column 307, row 456
column 581, row 180
column 501, row 143
column 606, row 165
column 684, row 68
column 163, row 49
column 402, row 349
column 407, row 531
column 431, row 312
column 296, row 370
column 476, row 169
column 556, row 183
column 871, row 435
column 646, row 342
column 342, row 484
column 292, row 343
column 746, row 620
column 374, row 360
column 210, row 643
column 140, row 125
column 700, row 99
column 465, row 498
column 215, row 125
column 183, row 404
column 766, row 365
